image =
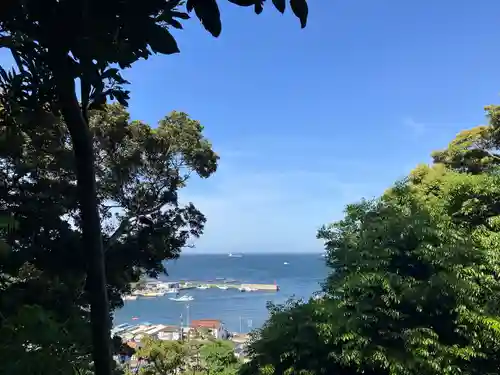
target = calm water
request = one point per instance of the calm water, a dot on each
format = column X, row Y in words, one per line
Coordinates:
column 239, row 311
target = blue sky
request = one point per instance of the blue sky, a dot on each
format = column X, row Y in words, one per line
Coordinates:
column 306, row 121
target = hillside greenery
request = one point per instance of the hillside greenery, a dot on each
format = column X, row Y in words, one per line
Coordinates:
column 44, row 294
column 195, row 357
column 69, row 56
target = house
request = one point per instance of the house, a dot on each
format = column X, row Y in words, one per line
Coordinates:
column 132, row 344
column 215, row 327
column 169, row 333
column 155, row 329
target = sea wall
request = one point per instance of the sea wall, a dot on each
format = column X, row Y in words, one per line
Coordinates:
column 269, row 287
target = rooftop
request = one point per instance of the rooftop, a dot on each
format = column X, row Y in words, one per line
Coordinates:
column 206, row 323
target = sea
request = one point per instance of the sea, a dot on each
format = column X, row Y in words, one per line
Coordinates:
column 298, row 276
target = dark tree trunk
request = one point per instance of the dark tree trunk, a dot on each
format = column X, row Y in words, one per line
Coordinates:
column 81, row 138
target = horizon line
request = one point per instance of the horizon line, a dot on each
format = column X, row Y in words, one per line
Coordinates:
column 250, row 252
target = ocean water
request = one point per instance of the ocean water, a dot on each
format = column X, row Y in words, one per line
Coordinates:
column 240, row 312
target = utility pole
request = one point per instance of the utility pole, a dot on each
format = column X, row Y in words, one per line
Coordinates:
column 181, row 333
column 187, row 321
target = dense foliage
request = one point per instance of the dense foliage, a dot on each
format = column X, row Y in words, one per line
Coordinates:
column 207, row 357
column 140, row 170
column 57, row 42
column 414, row 286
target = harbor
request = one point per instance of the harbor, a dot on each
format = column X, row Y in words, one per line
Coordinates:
column 214, row 283
column 156, row 288
column 242, row 287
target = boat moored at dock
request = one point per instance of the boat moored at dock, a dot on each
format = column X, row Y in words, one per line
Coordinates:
column 152, row 294
column 160, row 289
column 185, row 285
column 185, row 298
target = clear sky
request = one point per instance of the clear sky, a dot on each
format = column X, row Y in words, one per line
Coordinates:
column 306, row 121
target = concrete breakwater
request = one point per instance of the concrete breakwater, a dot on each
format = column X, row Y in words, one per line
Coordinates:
column 222, row 285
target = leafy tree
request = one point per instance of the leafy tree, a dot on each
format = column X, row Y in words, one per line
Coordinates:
column 97, row 36
column 292, row 342
column 34, row 337
column 163, row 357
column 474, row 150
column 140, row 171
column 7, row 224
column 171, row 357
column 219, row 358
column 414, row 286
column 416, row 293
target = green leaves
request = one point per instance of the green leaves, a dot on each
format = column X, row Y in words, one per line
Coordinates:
column 301, row 10
column 161, row 41
column 140, row 171
column 414, row 287
column 280, row 5
column 208, row 13
column 169, row 357
column 8, row 223
column 218, row 355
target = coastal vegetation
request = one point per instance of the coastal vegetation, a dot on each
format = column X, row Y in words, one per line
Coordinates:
column 45, row 297
column 98, row 41
column 89, row 204
column 207, row 357
column 414, row 286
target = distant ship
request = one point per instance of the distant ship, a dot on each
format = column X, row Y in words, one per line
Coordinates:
column 235, row 255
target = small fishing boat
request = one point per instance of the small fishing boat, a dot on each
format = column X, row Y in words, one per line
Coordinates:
column 202, row 287
column 185, row 298
column 223, row 287
column 152, row 294
column 130, row 298
column 285, row 263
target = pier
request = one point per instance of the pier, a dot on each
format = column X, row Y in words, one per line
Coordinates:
column 228, row 285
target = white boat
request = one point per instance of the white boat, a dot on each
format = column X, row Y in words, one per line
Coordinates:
column 185, row 298
column 235, row 255
column 202, row 287
column 285, row 263
column 152, row 294
column 172, row 291
column 130, row 298
column 223, row 287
